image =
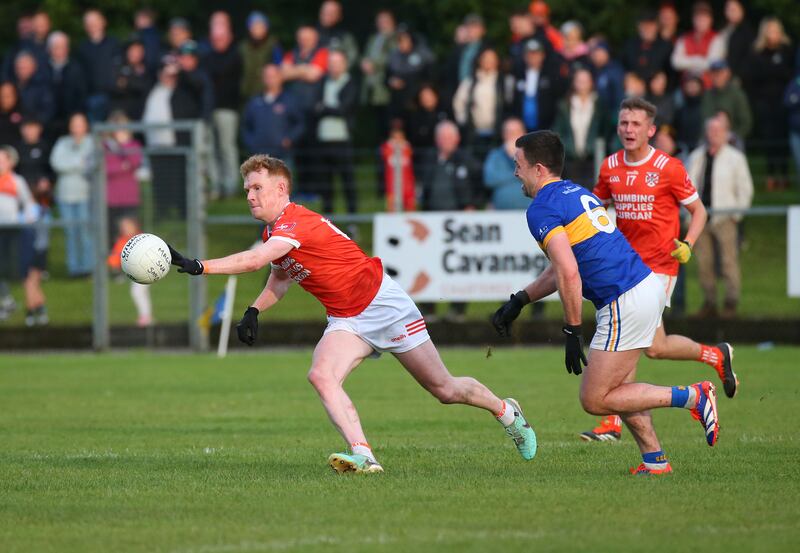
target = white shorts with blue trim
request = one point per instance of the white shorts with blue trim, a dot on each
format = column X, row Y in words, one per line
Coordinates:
column 391, row 322
column 630, row 321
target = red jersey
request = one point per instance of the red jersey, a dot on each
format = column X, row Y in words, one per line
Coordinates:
column 325, row 262
column 647, row 196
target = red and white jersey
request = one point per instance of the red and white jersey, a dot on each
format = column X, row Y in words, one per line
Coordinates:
column 647, row 196
column 325, row 262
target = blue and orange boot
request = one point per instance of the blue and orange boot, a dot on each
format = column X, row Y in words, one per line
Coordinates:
column 705, row 410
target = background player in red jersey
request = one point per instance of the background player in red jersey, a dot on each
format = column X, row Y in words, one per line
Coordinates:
column 368, row 312
column 647, row 188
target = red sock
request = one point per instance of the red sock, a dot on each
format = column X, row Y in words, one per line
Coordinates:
column 710, row 355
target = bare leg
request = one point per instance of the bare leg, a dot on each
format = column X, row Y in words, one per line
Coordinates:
column 335, row 357
column 427, row 368
column 673, row 346
column 641, row 425
column 34, row 296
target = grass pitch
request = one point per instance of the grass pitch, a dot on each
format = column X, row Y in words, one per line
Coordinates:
column 185, row 453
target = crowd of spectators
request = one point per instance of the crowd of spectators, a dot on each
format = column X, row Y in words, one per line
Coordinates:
column 449, row 121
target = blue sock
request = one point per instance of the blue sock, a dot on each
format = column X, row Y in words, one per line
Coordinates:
column 655, row 460
column 680, row 396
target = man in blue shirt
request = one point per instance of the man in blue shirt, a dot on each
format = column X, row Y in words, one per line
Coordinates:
column 590, row 258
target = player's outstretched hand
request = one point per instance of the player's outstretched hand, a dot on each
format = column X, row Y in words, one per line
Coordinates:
column 573, row 349
column 508, row 313
column 191, row 266
column 247, row 329
column 682, row 252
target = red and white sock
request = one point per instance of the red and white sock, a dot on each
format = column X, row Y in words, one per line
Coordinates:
column 363, row 448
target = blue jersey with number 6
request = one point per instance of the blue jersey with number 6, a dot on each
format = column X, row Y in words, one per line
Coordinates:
column 607, row 263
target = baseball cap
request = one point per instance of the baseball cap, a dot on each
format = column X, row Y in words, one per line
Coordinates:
column 188, row 48
column 257, row 17
column 181, row 22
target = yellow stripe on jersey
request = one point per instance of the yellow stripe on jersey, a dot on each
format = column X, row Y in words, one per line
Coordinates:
column 580, row 229
column 559, row 229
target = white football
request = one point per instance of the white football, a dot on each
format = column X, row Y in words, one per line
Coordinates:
column 145, row 258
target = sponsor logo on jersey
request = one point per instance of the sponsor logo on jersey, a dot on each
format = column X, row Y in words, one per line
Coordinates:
column 651, row 179
column 399, row 338
column 285, row 227
column 571, row 189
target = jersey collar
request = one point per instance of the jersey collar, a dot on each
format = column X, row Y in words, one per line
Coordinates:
column 551, row 181
column 642, row 161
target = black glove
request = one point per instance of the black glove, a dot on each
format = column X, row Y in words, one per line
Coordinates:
column 508, row 313
column 247, row 329
column 191, row 266
column 573, row 349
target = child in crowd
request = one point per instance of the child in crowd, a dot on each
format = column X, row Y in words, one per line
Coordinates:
column 140, row 293
column 397, row 141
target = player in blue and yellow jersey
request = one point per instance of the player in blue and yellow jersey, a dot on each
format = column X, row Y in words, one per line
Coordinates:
column 590, row 258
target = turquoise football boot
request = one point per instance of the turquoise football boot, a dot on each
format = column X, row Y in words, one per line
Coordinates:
column 344, row 462
column 521, row 432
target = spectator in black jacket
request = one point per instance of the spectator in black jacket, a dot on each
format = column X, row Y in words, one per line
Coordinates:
column 539, row 88
column 739, row 38
column 421, row 125
column 34, row 160
column 335, row 118
column 689, row 115
column 449, row 184
column 132, row 81
column 193, row 97
column 409, row 65
column 648, row 53
column 68, row 81
column 35, row 93
column 98, row 54
column 33, row 39
column 223, row 63
column 10, row 114
column 144, row 21
column 772, row 67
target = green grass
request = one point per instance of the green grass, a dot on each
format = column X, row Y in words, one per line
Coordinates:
column 186, row 453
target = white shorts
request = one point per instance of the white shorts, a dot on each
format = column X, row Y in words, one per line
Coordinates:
column 667, row 285
column 391, row 322
column 630, row 321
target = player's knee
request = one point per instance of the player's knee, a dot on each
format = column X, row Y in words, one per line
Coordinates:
column 447, row 393
column 655, row 352
column 320, row 379
column 591, row 403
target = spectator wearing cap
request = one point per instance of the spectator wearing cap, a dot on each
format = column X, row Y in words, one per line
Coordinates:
column 722, row 178
column 74, row 160
column 98, row 55
column 689, row 114
column 332, row 34
column 68, row 82
column 144, row 23
column 273, row 122
column 480, row 104
column 410, row 64
column 179, row 31
column 223, row 63
column 10, row 114
column 522, row 29
column 575, row 50
column 540, row 12
column 726, row 95
column 460, row 64
column 35, row 92
column 668, row 20
column 374, row 91
column 132, row 81
column 647, row 53
column 738, row 37
column 695, row 50
column 193, row 97
column 772, row 67
column 537, row 89
column 256, row 50
column 334, row 114
column 608, row 76
column 304, row 67
column 581, row 120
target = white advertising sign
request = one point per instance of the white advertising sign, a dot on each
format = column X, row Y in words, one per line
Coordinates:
column 793, row 253
column 458, row 255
